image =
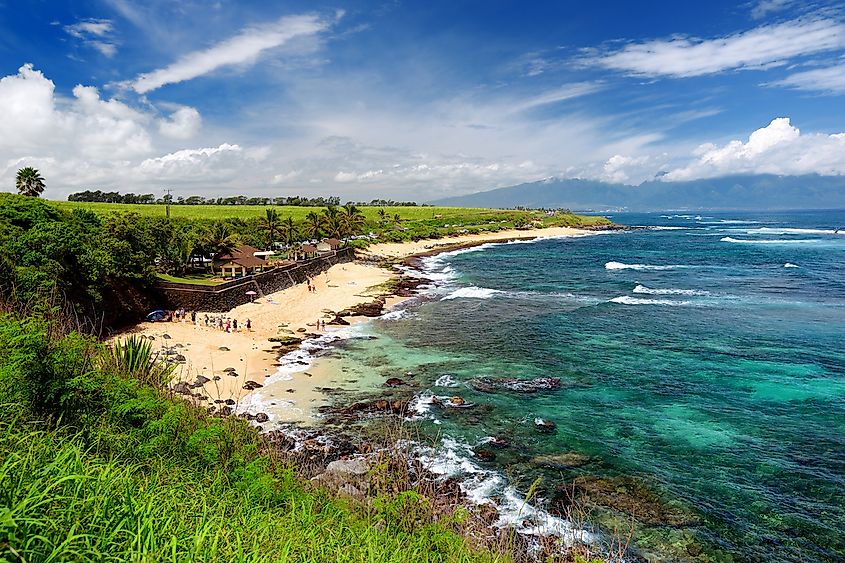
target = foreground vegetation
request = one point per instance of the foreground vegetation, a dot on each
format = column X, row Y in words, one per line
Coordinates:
column 99, row 463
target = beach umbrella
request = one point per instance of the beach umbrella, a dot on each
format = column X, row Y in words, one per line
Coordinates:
column 251, row 293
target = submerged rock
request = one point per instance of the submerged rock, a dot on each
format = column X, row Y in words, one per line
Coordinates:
column 544, row 426
column 394, row 382
column 250, row 385
column 484, row 454
column 261, row 417
column 493, row 384
column 568, row 460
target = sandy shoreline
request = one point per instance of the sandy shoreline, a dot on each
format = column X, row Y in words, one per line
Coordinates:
column 224, row 362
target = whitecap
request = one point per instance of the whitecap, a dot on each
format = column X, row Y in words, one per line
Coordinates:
column 473, row 292
column 794, row 231
column 395, row 315
column 768, row 241
column 627, row 300
column 791, row 265
column 668, row 291
column 641, row 267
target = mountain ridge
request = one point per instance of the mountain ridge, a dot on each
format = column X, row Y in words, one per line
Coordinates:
column 763, row 192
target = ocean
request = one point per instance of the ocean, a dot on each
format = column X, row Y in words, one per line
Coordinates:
column 702, row 368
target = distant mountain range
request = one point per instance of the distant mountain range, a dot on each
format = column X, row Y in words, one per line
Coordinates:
column 757, row 192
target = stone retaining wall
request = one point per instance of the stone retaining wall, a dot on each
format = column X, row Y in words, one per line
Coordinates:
column 226, row 296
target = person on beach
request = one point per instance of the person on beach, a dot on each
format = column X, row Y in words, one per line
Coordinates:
column 235, row 325
column 194, row 317
column 248, row 325
column 206, row 319
column 323, row 322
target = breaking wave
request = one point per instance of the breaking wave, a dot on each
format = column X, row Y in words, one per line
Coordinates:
column 669, row 291
column 627, row 300
column 472, row 292
column 641, row 267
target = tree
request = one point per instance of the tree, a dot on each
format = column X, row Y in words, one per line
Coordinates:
column 382, row 215
column 271, row 225
column 332, row 221
column 313, row 225
column 29, row 182
column 219, row 240
column 352, row 219
column 289, row 231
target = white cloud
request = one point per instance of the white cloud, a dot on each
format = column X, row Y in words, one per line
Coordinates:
column 764, row 7
column 200, row 165
column 566, row 92
column 241, row 50
column 95, row 33
column 183, row 123
column 778, row 148
column 830, row 79
column 627, row 169
column 761, row 47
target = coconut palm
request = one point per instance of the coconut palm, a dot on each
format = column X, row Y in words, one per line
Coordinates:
column 29, row 182
column 219, row 240
column 289, row 231
column 382, row 215
column 352, row 219
column 313, row 225
column 271, row 225
column 332, row 221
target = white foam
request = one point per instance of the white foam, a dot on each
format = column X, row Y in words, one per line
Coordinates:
column 791, row 265
column 794, row 231
column 768, row 241
column 641, row 267
column 627, row 300
column 669, row 291
column 446, row 380
column 473, row 292
column 395, row 315
column 483, row 486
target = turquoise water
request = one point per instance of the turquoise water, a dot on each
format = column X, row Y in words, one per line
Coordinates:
column 705, row 360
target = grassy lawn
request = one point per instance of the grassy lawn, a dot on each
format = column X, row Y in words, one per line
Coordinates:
column 199, row 279
column 298, row 213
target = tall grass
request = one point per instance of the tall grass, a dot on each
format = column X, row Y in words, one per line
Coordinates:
column 99, row 465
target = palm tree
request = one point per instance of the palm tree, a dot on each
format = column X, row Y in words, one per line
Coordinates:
column 289, row 231
column 29, row 182
column 219, row 240
column 332, row 221
column 352, row 218
column 313, row 225
column 271, row 225
column 382, row 215
column 397, row 218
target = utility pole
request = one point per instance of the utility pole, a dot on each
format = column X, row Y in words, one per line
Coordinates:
column 167, row 198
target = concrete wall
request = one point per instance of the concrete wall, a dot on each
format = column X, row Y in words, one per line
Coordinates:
column 226, row 296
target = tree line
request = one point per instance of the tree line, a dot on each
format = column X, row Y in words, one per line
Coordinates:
column 99, row 196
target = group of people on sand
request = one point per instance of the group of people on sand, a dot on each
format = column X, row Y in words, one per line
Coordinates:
column 226, row 324
column 312, row 287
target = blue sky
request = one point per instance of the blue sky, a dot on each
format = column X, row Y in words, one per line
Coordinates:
column 415, row 100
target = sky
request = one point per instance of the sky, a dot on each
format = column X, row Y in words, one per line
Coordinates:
column 414, row 100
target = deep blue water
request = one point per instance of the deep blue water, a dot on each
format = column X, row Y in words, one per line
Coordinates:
column 705, row 360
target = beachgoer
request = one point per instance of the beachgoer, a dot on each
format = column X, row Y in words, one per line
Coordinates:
column 248, row 325
column 194, row 317
column 323, row 323
column 235, row 325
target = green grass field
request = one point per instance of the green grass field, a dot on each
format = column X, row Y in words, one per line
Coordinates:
column 298, row 213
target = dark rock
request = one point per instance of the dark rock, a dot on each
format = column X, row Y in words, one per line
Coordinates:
column 202, row 380
column 338, row 321
column 493, row 384
column 250, row 385
column 457, row 401
column 180, row 358
column 261, row 417
column 219, row 401
column 223, row 349
column 301, row 330
column 394, row 382
column 544, row 426
column 286, row 340
column 216, row 378
column 230, row 369
column 485, row 454
column 499, row 442
column 182, row 388
column 229, row 401
column 226, row 411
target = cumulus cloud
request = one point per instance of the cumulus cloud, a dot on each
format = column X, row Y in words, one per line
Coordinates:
column 241, row 50
column 94, row 33
column 183, row 123
column 762, row 47
column 622, row 169
column 778, row 148
column 202, row 164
